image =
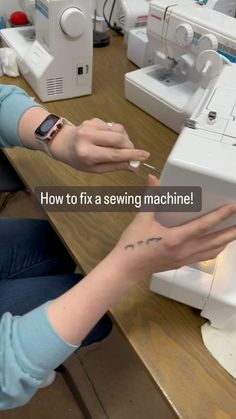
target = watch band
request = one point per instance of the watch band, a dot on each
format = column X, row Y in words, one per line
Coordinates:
column 45, row 139
column 45, row 143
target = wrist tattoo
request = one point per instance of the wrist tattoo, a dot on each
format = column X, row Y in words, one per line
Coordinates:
column 140, row 243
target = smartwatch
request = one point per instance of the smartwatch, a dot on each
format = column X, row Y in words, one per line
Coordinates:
column 48, row 129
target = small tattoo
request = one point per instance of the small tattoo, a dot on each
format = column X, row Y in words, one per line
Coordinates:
column 153, row 239
column 142, row 242
column 129, row 246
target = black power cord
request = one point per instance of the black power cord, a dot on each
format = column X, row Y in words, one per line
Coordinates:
column 108, row 21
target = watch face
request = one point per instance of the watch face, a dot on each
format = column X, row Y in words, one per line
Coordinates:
column 46, row 125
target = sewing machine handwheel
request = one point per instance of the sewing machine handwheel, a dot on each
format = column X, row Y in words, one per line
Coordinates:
column 73, row 22
column 209, row 63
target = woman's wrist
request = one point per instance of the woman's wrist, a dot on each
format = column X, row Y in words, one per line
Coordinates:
column 61, row 147
column 129, row 266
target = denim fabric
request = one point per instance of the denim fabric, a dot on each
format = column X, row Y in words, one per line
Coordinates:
column 35, row 268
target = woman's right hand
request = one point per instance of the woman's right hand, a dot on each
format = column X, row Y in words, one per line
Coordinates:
column 146, row 246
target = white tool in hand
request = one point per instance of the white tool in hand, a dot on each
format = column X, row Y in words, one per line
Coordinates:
column 136, row 163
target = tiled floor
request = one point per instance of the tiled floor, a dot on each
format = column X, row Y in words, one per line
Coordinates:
column 110, row 378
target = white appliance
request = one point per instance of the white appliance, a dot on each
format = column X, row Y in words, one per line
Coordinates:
column 56, row 55
column 205, row 155
column 133, row 13
column 179, row 31
column 129, row 14
column 139, row 50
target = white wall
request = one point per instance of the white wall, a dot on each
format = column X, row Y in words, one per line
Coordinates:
column 98, row 4
column 8, row 6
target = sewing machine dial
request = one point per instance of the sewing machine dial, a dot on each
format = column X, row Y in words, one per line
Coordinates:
column 208, row 41
column 184, row 35
column 73, row 22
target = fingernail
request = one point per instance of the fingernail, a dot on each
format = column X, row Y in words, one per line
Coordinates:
column 144, row 155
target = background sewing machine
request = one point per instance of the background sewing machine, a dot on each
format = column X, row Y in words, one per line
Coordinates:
column 55, row 55
column 126, row 14
column 139, row 49
column 171, row 89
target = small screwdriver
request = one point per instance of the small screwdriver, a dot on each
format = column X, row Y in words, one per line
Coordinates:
column 136, row 163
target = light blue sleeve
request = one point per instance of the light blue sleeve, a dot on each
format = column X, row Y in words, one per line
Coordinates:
column 13, row 104
column 29, row 350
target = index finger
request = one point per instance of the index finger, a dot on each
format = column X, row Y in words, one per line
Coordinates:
column 115, row 155
column 207, row 222
column 114, row 139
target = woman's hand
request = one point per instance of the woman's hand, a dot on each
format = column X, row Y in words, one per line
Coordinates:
column 146, row 246
column 96, row 146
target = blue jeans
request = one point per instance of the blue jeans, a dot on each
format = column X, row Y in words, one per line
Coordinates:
column 34, row 268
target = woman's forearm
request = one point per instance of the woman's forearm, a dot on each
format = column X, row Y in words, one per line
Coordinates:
column 75, row 313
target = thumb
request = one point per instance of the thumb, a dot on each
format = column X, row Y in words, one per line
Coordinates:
column 153, row 182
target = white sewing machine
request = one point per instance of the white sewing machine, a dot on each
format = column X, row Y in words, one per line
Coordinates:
column 179, row 32
column 128, row 14
column 55, row 56
column 139, row 50
column 205, row 156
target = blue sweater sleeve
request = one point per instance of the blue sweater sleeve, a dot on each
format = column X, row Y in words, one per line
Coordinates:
column 29, row 350
column 13, row 104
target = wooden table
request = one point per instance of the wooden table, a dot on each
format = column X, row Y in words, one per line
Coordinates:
column 164, row 334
